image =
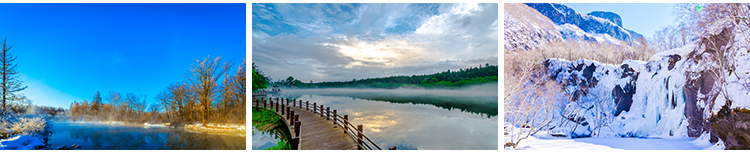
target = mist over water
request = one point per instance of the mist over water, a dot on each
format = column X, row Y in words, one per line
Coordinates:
column 484, row 90
column 481, row 99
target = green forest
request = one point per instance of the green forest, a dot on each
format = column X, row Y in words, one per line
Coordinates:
column 448, row 79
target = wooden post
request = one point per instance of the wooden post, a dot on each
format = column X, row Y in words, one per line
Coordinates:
column 264, row 103
column 287, row 101
column 294, row 102
column 359, row 137
column 294, row 143
column 314, row 106
column 297, row 127
column 288, row 115
column 307, row 105
column 291, row 116
column 334, row 116
column 278, row 103
column 346, row 121
column 296, row 117
column 322, row 111
column 328, row 113
column 392, row 148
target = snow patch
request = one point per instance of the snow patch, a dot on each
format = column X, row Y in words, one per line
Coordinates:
column 21, row 142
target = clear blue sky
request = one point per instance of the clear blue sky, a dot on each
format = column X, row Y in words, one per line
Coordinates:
column 68, row 51
column 644, row 18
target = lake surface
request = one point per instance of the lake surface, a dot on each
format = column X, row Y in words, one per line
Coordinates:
column 98, row 136
column 262, row 140
column 414, row 124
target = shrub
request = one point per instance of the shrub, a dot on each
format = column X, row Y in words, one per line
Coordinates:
column 28, row 126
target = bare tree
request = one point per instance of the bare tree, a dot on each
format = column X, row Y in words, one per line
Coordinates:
column 204, row 79
column 529, row 98
column 118, row 103
column 239, row 87
column 165, row 98
column 136, row 103
column 182, row 100
column 11, row 82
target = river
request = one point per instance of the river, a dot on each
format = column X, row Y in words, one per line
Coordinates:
column 100, row 136
column 414, row 119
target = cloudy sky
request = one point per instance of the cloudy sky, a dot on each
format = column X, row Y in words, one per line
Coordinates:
column 341, row 42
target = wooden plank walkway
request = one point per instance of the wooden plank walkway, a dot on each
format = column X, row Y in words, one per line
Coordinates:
column 319, row 134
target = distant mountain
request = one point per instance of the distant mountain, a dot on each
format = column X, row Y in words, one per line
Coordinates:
column 597, row 22
column 526, row 28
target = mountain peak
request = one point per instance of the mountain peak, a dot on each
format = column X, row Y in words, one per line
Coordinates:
column 611, row 16
column 598, row 22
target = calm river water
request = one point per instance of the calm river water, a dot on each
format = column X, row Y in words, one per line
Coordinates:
column 409, row 123
column 97, row 136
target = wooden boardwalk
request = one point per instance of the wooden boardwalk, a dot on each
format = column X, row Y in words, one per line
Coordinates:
column 313, row 128
column 319, row 134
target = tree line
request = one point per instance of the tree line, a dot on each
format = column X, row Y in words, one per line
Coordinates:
column 212, row 93
column 448, row 79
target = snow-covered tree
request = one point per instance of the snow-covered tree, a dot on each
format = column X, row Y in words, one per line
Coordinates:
column 11, row 83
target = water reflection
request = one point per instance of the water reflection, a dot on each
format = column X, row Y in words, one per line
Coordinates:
column 93, row 136
column 262, row 140
column 414, row 126
column 478, row 99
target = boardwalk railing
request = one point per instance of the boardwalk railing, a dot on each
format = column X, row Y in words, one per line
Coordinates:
column 356, row 133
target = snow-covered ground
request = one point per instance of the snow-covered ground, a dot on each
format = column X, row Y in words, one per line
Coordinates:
column 225, row 129
column 23, row 132
column 21, row 142
column 544, row 141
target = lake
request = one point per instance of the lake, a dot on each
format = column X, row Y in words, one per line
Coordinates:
column 99, row 136
column 267, row 139
column 415, row 119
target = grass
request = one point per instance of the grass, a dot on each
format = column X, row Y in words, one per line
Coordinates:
column 263, row 117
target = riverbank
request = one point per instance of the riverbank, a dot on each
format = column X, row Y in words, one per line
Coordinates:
column 210, row 128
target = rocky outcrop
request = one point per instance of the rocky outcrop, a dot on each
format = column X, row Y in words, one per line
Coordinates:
column 732, row 127
column 624, row 95
column 611, row 16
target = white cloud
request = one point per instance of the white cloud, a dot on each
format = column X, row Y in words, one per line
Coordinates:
column 336, row 49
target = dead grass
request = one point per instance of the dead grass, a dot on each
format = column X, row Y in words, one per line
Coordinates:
column 574, row 50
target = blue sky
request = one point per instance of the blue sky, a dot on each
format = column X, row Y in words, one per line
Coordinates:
column 644, row 18
column 68, row 51
column 341, row 42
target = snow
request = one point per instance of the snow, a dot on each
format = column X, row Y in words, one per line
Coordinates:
column 154, row 125
column 656, row 119
column 20, row 142
column 541, row 141
column 573, row 31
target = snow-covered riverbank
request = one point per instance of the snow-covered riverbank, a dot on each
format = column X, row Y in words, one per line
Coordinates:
column 544, row 141
column 211, row 128
column 23, row 132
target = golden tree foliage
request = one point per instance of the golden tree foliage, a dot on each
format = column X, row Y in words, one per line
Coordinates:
column 211, row 95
